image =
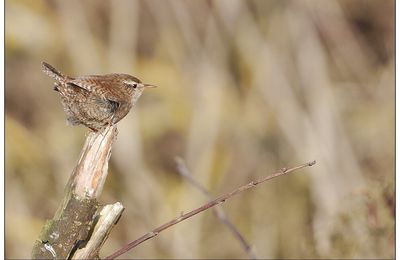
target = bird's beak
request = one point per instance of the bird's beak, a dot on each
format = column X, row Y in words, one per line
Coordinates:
column 149, row 86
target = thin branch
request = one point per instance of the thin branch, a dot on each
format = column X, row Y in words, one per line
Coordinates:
column 218, row 211
column 206, row 206
column 109, row 215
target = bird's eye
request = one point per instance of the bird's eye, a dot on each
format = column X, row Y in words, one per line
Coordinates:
column 134, row 85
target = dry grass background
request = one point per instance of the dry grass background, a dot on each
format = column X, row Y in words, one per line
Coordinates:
column 246, row 87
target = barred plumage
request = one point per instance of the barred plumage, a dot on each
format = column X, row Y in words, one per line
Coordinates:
column 96, row 100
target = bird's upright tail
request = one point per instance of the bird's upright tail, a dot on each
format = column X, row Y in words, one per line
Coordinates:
column 52, row 72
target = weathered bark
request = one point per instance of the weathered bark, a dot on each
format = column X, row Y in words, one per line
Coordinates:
column 74, row 222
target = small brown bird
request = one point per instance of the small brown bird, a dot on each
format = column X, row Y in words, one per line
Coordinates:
column 96, row 100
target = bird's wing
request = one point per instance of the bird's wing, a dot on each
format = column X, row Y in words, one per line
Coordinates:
column 91, row 83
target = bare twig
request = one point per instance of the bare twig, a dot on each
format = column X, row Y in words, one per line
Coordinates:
column 109, row 215
column 206, row 206
column 218, row 211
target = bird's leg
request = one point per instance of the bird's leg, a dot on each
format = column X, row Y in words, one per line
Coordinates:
column 109, row 124
column 93, row 129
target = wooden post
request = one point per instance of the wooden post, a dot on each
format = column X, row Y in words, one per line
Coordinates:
column 79, row 215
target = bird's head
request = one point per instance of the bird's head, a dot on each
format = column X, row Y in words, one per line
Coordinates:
column 136, row 83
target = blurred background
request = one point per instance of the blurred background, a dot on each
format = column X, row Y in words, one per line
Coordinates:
column 245, row 88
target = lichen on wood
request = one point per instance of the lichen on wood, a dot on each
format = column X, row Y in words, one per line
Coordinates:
column 74, row 221
column 63, row 235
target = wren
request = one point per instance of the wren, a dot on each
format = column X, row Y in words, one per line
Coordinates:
column 96, row 101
